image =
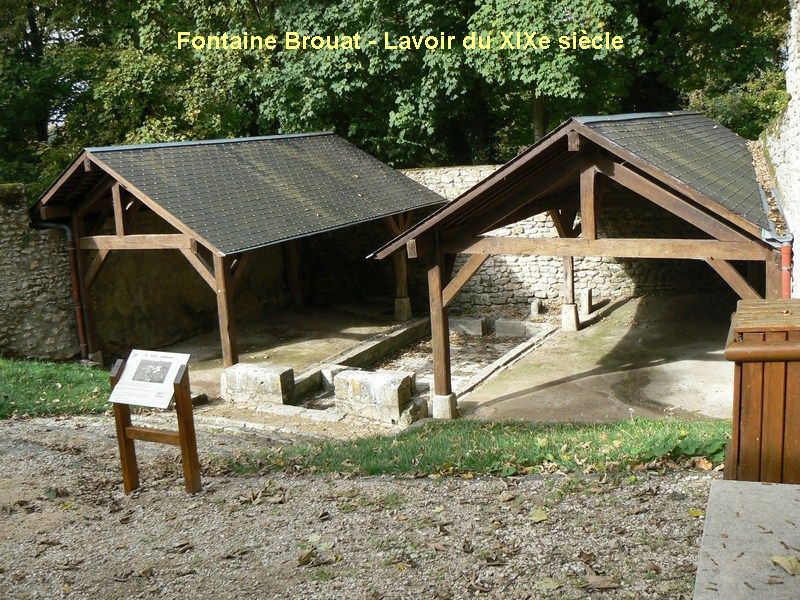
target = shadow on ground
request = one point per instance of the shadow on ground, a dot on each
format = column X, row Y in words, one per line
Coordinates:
column 643, row 357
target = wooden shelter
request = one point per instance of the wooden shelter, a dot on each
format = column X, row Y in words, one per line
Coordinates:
column 681, row 161
column 218, row 200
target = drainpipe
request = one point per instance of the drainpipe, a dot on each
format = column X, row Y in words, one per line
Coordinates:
column 786, row 270
column 73, row 268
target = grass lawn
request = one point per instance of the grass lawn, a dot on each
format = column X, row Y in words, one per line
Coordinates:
column 465, row 447
column 34, row 388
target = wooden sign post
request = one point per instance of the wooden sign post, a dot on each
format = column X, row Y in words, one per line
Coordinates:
column 184, row 437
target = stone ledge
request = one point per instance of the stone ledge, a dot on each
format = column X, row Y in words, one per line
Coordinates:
column 475, row 326
column 381, row 395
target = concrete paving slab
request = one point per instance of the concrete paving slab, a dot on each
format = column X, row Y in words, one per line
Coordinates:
column 747, row 523
column 644, row 357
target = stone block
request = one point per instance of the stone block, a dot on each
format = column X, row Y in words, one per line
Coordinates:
column 511, row 328
column 328, row 372
column 536, row 308
column 444, row 406
column 569, row 317
column 585, row 306
column 378, row 395
column 253, row 385
column 468, row 325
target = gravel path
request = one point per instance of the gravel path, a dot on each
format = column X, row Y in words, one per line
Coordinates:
column 68, row 531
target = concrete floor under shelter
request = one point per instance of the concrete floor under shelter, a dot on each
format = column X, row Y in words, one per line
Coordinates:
column 294, row 338
column 643, row 357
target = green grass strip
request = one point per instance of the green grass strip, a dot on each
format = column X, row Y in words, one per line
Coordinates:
column 36, row 388
column 502, row 448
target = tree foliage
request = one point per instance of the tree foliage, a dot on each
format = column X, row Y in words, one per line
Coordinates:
column 76, row 73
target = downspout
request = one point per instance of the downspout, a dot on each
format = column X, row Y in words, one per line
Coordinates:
column 786, row 270
column 73, row 268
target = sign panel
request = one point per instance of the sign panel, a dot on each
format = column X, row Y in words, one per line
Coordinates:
column 148, row 378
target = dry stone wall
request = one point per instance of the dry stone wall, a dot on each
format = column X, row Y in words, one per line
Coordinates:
column 37, row 316
column 515, row 281
column 782, row 143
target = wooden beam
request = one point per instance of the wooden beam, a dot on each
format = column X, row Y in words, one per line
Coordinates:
column 227, row 324
column 773, row 275
column 614, row 248
column 400, row 275
column 734, row 279
column 149, row 241
column 588, row 202
column 440, row 331
column 150, row 434
column 51, row 213
column 239, row 268
column 78, row 226
column 96, row 194
column 94, row 267
column 652, row 191
column 78, row 162
column 119, row 214
column 464, row 273
column 556, row 218
column 201, row 268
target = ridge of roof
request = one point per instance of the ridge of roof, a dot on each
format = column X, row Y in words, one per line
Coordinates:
column 633, row 116
column 259, row 138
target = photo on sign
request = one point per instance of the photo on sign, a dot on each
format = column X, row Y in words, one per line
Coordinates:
column 152, row 371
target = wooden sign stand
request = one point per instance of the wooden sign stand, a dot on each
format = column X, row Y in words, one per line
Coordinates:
column 185, row 437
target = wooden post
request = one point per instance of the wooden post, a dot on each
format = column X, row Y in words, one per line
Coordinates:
column 773, row 277
column 186, row 432
column 293, row 258
column 227, row 324
column 444, row 405
column 119, row 214
column 127, row 450
column 402, row 303
column 569, row 280
column 588, row 202
column 77, row 225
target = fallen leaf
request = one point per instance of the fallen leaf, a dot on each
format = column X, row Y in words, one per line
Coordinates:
column 790, row 564
column 548, row 584
column 506, row 496
column 702, row 463
column 538, row 515
column 652, row 567
column 306, row 557
column 696, row 512
column 600, row 582
column 586, row 557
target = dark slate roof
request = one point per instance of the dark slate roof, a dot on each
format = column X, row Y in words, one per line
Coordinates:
column 246, row 193
column 694, row 150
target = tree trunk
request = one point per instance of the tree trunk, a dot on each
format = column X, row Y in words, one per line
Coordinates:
column 539, row 117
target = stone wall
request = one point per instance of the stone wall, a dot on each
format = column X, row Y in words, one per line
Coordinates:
column 782, row 143
column 516, row 280
column 37, row 316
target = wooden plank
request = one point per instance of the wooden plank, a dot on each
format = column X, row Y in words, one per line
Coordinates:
column 227, row 323
column 469, row 268
column 606, row 247
column 569, row 280
column 681, row 208
column 775, row 351
column 94, row 267
column 573, row 141
column 127, row 450
column 119, row 214
column 750, row 419
column 186, row 433
column 147, row 241
column 150, row 434
column 791, row 431
column 733, row 278
column 732, row 450
column 440, row 333
column 588, row 202
column 772, row 424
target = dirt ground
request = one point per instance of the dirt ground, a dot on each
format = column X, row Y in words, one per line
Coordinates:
column 642, row 357
column 68, row 531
